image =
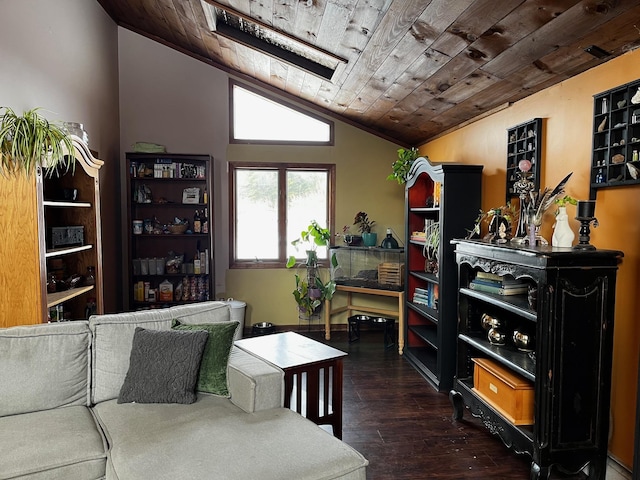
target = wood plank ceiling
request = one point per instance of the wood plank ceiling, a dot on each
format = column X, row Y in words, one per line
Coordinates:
column 414, row 68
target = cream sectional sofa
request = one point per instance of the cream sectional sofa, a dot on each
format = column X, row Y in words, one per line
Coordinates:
column 59, row 416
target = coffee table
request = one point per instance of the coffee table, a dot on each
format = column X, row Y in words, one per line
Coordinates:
column 312, row 374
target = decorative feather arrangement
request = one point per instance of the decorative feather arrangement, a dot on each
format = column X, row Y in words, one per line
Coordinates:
column 540, row 201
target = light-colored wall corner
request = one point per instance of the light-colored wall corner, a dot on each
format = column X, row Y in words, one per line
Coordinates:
column 62, row 56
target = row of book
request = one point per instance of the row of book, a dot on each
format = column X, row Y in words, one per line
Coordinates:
column 499, row 285
column 427, row 296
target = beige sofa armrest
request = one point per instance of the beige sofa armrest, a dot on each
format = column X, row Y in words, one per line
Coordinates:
column 254, row 384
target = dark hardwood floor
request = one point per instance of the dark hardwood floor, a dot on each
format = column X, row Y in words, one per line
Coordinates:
column 404, row 427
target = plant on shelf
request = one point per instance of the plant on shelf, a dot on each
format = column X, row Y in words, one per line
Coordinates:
column 400, row 168
column 312, row 291
column 508, row 211
column 565, row 200
column 365, row 225
column 432, row 247
column 363, row 222
column 29, row 140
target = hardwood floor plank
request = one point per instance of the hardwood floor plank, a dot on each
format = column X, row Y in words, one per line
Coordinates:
column 404, row 427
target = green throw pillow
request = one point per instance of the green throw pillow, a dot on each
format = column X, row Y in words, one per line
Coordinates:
column 163, row 366
column 213, row 368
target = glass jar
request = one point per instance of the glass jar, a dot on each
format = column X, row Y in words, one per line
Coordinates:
column 90, row 279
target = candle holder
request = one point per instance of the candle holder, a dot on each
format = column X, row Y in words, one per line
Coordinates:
column 586, row 216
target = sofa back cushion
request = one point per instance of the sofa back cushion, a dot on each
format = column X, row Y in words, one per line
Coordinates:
column 113, row 337
column 44, row 366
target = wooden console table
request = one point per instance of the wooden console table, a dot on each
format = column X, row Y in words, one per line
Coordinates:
column 312, row 374
column 350, row 308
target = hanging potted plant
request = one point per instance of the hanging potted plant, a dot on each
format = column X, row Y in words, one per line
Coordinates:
column 311, row 291
column 29, row 140
column 400, row 168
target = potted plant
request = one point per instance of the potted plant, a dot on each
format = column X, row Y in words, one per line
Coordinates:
column 365, row 225
column 400, row 168
column 432, row 247
column 311, row 291
column 29, row 140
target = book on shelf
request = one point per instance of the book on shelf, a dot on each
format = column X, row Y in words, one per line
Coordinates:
column 498, row 290
column 493, row 279
column 419, row 237
column 426, row 296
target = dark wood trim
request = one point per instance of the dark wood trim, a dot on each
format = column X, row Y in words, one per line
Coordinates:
column 282, row 168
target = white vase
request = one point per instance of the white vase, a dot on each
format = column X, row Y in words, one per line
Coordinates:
column 562, row 234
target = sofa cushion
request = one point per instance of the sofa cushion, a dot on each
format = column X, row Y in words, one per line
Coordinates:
column 59, row 444
column 212, row 376
column 212, row 438
column 113, row 335
column 164, row 366
column 44, row 366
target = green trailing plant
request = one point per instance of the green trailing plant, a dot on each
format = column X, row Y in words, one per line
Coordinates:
column 311, row 291
column 30, row 140
column 400, row 168
column 566, row 199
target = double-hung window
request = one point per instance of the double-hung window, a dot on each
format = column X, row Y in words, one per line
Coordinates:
column 271, row 203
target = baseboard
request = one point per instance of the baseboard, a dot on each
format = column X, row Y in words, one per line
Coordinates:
column 616, row 470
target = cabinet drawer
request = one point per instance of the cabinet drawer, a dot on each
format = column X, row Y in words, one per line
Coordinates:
column 507, row 392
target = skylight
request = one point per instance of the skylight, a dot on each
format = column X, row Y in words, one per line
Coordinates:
column 251, row 33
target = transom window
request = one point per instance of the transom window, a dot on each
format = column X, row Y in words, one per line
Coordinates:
column 255, row 118
column 271, row 204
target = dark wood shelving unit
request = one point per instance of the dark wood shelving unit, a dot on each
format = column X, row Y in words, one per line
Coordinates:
column 569, row 365
column 183, row 171
column 430, row 331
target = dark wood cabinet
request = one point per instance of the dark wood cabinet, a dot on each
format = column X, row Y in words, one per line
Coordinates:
column 160, row 189
column 615, row 159
column 569, row 312
column 444, row 200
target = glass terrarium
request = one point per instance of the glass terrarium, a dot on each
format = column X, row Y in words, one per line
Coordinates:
column 371, row 267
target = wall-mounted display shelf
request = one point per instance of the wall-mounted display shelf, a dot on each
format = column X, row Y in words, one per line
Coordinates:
column 524, row 142
column 615, row 160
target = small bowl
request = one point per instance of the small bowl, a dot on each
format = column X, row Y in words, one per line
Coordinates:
column 381, row 320
column 523, row 341
column 496, row 337
column 177, row 229
column 359, row 318
column 489, row 322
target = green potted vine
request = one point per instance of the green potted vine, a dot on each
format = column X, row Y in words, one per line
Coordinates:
column 400, row 168
column 311, row 291
column 29, row 141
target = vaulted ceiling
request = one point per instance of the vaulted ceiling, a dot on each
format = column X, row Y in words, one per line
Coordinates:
column 407, row 70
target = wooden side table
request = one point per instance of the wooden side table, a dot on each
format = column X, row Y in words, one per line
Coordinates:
column 350, row 308
column 312, row 374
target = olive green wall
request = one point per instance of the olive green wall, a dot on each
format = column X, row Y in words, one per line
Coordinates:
column 363, row 162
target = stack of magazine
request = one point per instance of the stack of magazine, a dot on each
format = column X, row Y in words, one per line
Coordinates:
column 492, row 283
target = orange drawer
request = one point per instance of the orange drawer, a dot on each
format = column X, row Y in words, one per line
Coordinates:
column 508, row 393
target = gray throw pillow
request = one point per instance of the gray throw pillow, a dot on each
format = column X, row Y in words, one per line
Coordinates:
column 163, row 366
column 212, row 377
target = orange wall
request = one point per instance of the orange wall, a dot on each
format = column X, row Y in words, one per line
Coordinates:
column 567, row 110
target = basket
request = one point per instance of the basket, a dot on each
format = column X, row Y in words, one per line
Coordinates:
column 391, row 273
column 177, row 229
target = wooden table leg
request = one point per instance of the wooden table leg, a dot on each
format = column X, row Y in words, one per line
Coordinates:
column 336, row 402
column 400, row 322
